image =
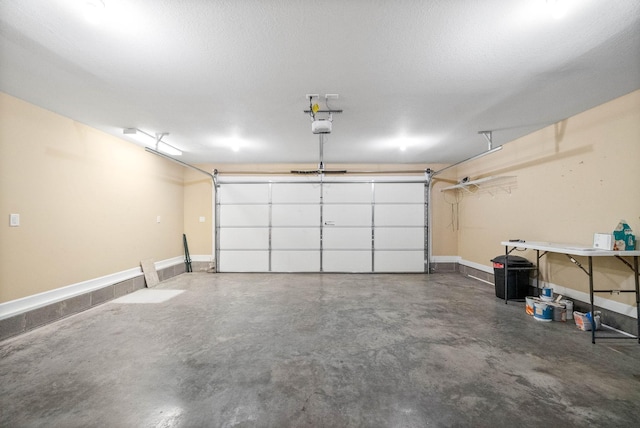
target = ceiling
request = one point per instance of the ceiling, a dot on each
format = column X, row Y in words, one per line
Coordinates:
column 227, row 79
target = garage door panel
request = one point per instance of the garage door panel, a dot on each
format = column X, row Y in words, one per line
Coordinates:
column 244, row 193
column 399, row 238
column 347, row 193
column 295, row 261
column 244, row 261
column 291, row 238
column 400, row 192
column 347, row 215
column 244, row 238
column 244, row 215
column 399, row 261
column 399, row 215
column 346, row 261
column 346, row 238
column 295, row 215
column 295, row 193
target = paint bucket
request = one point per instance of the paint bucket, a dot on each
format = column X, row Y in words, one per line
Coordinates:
column 542, row 312
column 546, row 294
column 529, row 301
column 559, row 312
column 569, row 305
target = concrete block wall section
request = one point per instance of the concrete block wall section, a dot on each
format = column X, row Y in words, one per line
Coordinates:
column 201, row 266
column 29, row 320
column 444, row 267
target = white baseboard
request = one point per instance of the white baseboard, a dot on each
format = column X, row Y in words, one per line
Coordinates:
column 35, row 301
column 202, row 258
column 163, row 264
column 478, row 266
column 445, row 259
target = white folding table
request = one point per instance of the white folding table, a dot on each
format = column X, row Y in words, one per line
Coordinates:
column 582, row 251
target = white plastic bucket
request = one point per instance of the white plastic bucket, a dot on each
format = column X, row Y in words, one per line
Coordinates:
column 559, row 312
column 542, row 311
column 529, row 301
column 569, row 305
column 546, row 294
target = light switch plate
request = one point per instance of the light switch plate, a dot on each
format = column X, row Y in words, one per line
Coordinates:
column 202, row 219
column 14, row 220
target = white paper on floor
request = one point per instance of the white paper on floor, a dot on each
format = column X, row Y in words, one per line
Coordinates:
column 148, row 296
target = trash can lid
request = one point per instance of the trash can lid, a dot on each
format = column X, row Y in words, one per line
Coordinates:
column 512, row 260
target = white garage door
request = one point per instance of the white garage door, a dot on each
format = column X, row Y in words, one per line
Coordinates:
column 307, row 225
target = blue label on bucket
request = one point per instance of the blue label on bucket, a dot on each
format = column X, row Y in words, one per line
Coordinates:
column 547, row 292
column 542, row 311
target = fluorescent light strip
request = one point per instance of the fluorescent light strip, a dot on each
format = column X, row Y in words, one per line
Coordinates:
column 168, row 149
column 94, row 11
column 159, row 145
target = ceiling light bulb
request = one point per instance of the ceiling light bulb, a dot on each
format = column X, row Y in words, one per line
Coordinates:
column 557, row 8
column 94, row 11
column 139, row 136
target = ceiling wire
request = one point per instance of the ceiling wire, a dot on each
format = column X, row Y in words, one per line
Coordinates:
column 312, row 115
column 455, row 210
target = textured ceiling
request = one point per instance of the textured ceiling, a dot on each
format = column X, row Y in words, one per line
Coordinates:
column 425, row 75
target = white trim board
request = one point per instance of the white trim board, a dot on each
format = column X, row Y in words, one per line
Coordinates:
column 163, row 264
column 478, row 266
column 202, row 258
column 446, row 259
column 35, row 301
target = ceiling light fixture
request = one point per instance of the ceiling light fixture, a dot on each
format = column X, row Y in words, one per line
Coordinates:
column 557, row 8
column 168, row 149
column 159, row 144
column 231, row 142
column 94, row 11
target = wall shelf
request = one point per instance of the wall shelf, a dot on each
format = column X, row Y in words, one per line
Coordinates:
column 503, row 182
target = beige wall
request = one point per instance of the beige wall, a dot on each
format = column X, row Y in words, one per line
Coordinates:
column 444, row 215
column 574, row 178
column 87, row 201
column 198, row 201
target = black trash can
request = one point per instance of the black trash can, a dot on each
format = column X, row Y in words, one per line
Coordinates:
column 518, row 277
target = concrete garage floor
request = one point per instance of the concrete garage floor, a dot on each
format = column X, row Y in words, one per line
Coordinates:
column 280, row 350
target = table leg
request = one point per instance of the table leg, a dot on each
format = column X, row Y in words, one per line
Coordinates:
column 537, row 273
column 593, row 316
column 506, row 273
column 637, row 274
